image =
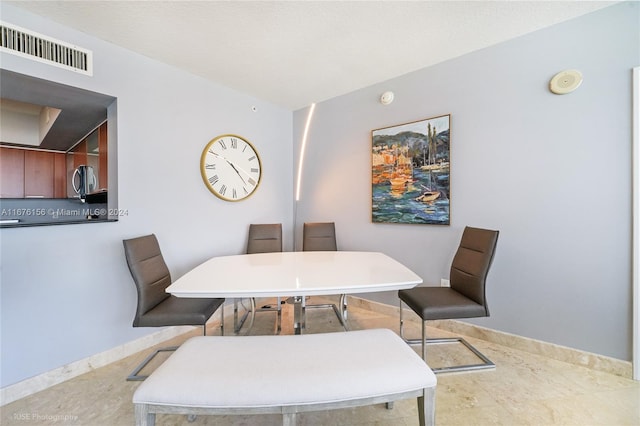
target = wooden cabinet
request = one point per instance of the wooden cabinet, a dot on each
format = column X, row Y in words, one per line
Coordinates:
column 29, row 173
column 11, row 173
column 38, row 174
column 59, row 175
column 93, row 151
column 80, row 154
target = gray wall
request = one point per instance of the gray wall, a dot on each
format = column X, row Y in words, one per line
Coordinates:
column 552, row 173
column 66, row 292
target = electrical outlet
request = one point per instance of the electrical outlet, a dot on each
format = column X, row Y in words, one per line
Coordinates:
column 444, row 282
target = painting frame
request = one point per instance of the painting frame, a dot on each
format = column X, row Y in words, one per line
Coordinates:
column 410, row 172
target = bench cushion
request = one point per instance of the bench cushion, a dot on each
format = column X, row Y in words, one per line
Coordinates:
column 266, row 371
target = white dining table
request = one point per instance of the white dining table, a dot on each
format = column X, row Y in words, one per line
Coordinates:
column 297, row 274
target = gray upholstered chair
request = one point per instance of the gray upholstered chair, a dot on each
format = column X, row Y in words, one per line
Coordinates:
column 321, row 236
column 157, row 308
column 263, row 238
column 466, row 298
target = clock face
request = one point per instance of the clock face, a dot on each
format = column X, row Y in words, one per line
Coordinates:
column 230, row 167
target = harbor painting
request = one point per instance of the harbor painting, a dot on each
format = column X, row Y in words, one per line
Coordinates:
column 410, row 167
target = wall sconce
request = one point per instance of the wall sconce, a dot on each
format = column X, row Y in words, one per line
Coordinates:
column 386, row 98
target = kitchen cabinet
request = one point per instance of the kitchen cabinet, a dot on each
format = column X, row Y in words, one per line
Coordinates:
column 11, row 173
column 38, row 174
column 59, row 175
column 32, row 174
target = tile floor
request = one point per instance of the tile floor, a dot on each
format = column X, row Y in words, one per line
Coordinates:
column 524, row 389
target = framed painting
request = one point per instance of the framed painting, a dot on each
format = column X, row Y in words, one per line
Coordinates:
column 410, row 167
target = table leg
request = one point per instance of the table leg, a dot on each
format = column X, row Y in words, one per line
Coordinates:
column 299, row 314
column 343, row 308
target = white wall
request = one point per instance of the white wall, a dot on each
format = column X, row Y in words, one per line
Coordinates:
column 552, row 173
column 66, row 292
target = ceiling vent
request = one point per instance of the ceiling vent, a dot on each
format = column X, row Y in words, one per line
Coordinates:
column 29, row 44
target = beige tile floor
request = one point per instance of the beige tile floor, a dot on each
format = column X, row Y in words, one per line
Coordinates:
column 524, row 389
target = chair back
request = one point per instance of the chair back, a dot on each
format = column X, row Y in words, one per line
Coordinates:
column 149, row 272
column 319, row 236
column 264, row 238
column 471, row 264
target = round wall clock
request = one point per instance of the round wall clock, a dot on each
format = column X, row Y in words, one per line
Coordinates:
column 230, row 167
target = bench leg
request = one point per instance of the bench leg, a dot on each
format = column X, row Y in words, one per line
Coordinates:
column 427, row 407
column 143, row 416
column 289, row 419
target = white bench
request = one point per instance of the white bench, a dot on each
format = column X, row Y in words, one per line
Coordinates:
column 286, row 375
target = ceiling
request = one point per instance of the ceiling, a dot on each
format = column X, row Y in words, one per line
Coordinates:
column 293, row 53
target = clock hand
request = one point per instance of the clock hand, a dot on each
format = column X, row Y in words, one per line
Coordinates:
column 233, row 165
column 234, row 168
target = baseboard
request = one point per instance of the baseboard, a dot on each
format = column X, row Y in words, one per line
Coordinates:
column 43, row 381
column 538, row 347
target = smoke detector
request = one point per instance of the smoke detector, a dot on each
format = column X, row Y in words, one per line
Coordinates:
column 565, row 82
column 386, row 98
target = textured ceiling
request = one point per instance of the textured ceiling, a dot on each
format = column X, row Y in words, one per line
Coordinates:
column 293, row 53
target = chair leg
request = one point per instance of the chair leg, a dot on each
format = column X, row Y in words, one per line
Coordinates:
column 340, row 312
column 253, row 314
column 252, row 311
column 238, row 323
column 424, row 341
column 134, row 376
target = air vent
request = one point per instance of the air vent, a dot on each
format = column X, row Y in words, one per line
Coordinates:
column 29, row 44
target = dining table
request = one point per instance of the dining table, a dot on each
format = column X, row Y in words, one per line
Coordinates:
column 297, row 274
